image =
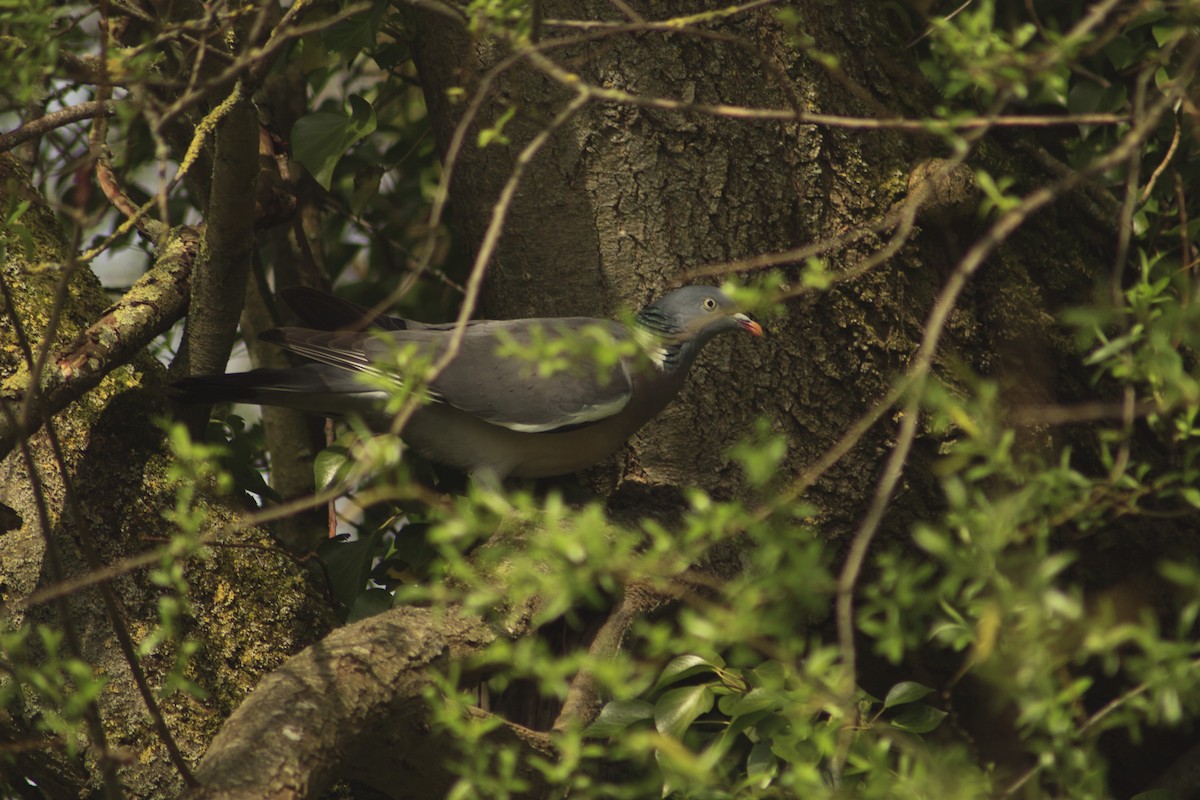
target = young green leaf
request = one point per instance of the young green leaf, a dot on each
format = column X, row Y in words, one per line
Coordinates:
column 905, row 692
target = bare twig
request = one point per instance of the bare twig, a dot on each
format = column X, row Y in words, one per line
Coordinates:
column 600, row 93
column 114, row 608
column 148, row 226
column 255, row 61
column 638, row 599
column 130, row 564
column 55, row 119
column 1091, row 722
column 1024, row 416
column 1162, row 165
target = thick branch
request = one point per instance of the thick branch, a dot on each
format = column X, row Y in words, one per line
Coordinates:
column 152, row 305
column 352, row 704
column 219, row 282
column 583, row 701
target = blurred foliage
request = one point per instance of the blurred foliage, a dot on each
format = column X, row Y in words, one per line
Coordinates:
column 1053, row 595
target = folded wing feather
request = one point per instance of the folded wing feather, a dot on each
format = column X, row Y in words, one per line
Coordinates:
column 507, row 391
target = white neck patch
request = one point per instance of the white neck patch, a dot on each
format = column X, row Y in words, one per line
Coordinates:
column 652, row 345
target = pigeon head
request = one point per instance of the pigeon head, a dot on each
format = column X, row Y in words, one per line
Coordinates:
column 694, row 314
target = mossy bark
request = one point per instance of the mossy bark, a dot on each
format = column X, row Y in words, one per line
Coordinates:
column 251, row 605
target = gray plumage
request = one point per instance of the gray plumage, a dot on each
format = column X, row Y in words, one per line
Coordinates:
column 491, row 415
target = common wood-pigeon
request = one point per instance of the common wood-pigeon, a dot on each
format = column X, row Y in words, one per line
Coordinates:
column 492, row 413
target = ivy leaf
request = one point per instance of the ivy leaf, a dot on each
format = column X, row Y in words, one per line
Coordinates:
column 682, row 667
column 754, row 701
column 328, row 466
column 352, row 36
column 349, row 565
column 617, row 716
column 369, row 603
column 1084, row 97
column 678, row 708
column 320, row 139
column 762, row 765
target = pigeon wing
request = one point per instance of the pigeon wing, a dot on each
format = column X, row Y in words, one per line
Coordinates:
column 499, row 377
column 492, row 375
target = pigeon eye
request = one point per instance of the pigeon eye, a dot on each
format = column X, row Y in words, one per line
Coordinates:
column 709, row 304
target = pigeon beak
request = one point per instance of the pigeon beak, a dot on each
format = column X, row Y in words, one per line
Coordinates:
column 748, row 324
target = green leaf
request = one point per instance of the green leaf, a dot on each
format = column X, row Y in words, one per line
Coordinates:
column 369, row 603
column 1121, row 52
column 682, row 667
column 328, row 466
column 320, row 139
column 761, row 453
column 761, row 764
column 1084, row 97
column 905, row 692
column 918, row 718
column 617, row 716
column 348, row 564
column 496, row 132
column 678, row 708
column 754, row 701
column 760, row 721
column 352, row 36
column 1161, row 794
column 769, row 674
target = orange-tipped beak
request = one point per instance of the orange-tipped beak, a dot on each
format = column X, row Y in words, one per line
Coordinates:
column 748, row 324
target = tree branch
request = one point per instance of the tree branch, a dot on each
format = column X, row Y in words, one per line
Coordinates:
column 152, row 305
column 583, row 698
column 55, row 119
column 219, row 281
column 352, row 703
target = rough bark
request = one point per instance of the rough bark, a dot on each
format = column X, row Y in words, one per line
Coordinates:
column 352, row 706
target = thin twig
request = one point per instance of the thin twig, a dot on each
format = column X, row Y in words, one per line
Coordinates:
column 254, row 62
column 1162, row 165
column 56, row 119
column 605, row 94
column 1091, row 722
column 114, row 609
column 1030, row 415
column 130, row 564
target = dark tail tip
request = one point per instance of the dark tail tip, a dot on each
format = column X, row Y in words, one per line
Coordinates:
column 213, row 389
